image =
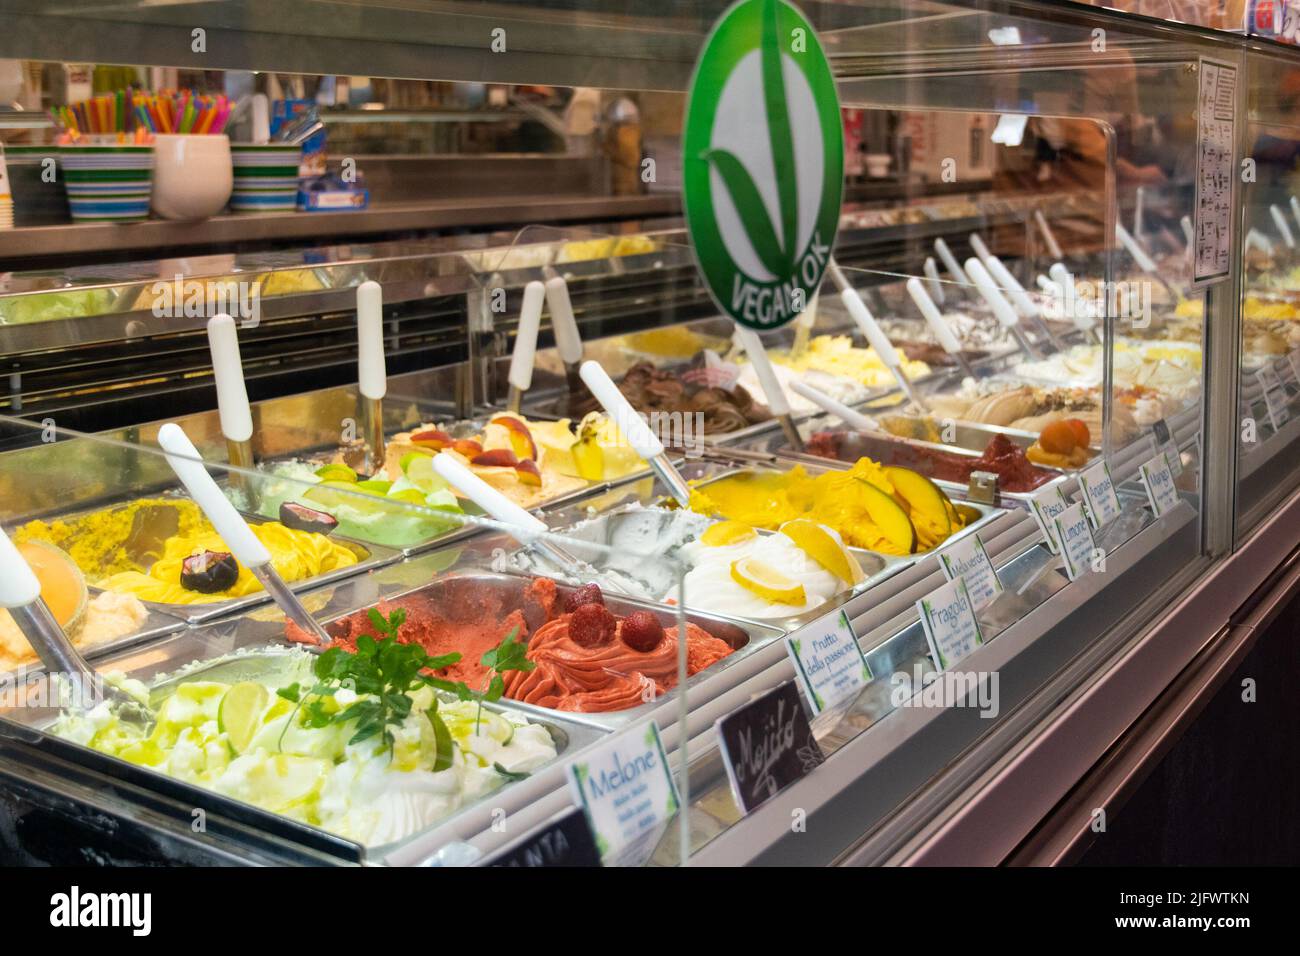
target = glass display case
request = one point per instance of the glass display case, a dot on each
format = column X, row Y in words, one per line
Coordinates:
column 995, row 479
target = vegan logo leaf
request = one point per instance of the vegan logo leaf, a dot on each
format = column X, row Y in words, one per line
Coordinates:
column 776, row 252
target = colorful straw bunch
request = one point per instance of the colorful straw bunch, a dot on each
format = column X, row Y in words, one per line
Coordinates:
column 135, row 115
column 183, row 111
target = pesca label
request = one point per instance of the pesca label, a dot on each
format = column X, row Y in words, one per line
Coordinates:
column 1099, row 497
column 967, row 558
column 948, row 619
column 1077, row 546
column 828, row 661
column 626, row 789
column 1045, row 506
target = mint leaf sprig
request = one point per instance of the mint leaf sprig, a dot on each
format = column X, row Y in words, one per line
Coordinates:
column 509, row 655
column 382, row 672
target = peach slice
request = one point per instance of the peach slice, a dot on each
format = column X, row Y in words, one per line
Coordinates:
column 467, row 447
column 529, row 473
column 431, row 438
column 496, row 458
column 521, row 439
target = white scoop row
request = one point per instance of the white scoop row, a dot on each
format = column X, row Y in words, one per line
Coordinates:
column 568, row 343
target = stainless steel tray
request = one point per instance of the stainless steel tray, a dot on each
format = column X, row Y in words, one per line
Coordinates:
column 156, row 624
column 232, row 651
column 472, row 563
column 369, row 556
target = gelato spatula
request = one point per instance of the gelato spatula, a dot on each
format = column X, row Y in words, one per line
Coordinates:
column 232, row 395
column 938, row 325
column 568, row 343
column 1025, row 307
column 528, row 528
column 875, row 335
column 772, row 390
column 20, row 593
column 1006, row 316
column 1083, row 317
column 520, row 375
column 1144, row 261
column 372, row 373
column 827, row 404
column 635, row 430
column 233, row 529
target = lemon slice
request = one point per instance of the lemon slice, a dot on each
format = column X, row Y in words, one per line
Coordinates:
column 824, row 546
column 726, row 533
column 240, row 713
column 767, row 582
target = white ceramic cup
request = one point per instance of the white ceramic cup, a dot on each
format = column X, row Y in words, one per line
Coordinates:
column 191, row 175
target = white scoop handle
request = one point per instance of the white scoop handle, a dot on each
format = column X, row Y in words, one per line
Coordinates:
column 18, row 584
column 497, row 505
column 777, row 402
column 933, row 318
column 870, row 328
column 1189, row 233
column 1080, row 314
column 228, row 374
column 372, row 374
column 620, row 411
column 839, row 410
column 1053, row 247
column 949, row 261
column 1283, row 226
column 1144, row 261
column 980, row 248
column 233, row 529
column 530, row 320
column 1006, row 315
column 1011, row 285
column 1295, row 211
column 567, row 341
column 932, row 280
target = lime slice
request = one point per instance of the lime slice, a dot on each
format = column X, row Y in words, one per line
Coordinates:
column 374, row 486
column 409, row 495
column 240, row 713
column 336, row 472
column 419, row 472
column 413, row 456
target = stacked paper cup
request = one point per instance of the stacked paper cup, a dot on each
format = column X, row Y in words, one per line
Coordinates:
column 266, row 177
column 107, row 182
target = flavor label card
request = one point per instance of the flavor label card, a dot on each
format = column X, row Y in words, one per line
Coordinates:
column 1164, row 442
column 829, row 662
column 1293, row 357
column 967, row 558
column 1274, row 396
column 626, row 789
column 951, row 628
column 1158, row 481
column 1077, row 546
column 1045, row 506
column 565, row 842
column 1099, row 495
column 767, row 745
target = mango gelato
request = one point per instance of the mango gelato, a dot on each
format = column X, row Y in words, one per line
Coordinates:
column 888, row 510
column 837, row 355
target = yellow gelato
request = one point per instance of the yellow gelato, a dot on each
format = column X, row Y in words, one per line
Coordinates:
column 108, row 616
column 888, row 510
column 297, row 555
column 837, row 355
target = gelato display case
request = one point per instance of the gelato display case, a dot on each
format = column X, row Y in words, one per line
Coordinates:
column 974, row 510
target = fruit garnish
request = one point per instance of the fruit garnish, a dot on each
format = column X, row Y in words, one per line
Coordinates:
column 240, row 713
column 587, row 594
column 301, row 518
column 496, row 458
column 432, row 438
column 336, row 472
column 588, row 456
column 927, row 504
column 420, row 473
column 725, row 533
column 411, row 457
column 824, row 546
column 889, row 516
column 209, row 572
column 409, row 495
column 529, row 473
column 375, row 486
column 591, row 625
column 468, row 447
column 767, row 582
column 641, row 631
column 1058, row 438
column 1082, row 437
column 521, row 439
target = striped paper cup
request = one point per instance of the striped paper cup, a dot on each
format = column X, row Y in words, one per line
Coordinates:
column 266, row 177
column 107, row 183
